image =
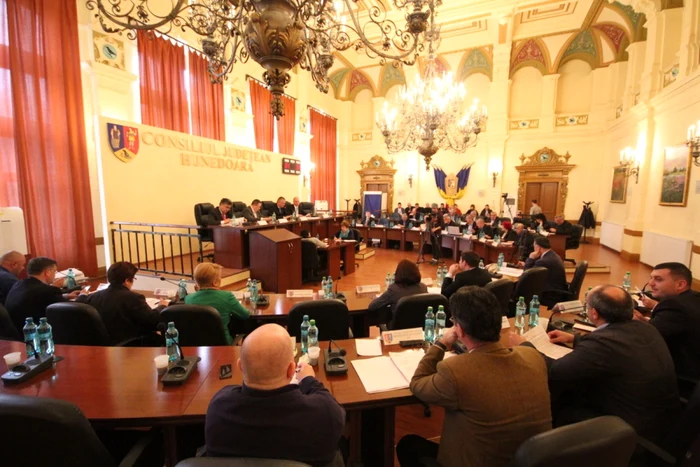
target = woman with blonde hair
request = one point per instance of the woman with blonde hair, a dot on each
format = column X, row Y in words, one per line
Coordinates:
column 207, row 277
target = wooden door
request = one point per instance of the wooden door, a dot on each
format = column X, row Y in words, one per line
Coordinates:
column 532, row 191
column 549, row 193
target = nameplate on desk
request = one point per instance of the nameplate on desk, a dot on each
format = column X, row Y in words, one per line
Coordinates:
column 303, row 218
column 169, row 293
column 398, row 335
column 583, row 327
column 262, row 222
column 282, row 221
column 452, row 230
column 349, row 240
column 300, row 293
column 574, row 306
column 367, row 288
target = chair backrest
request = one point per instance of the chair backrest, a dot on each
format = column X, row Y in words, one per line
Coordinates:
column 306, row 207
column 66, row 437
column 237, row 209
column 502, row 289
column 202, row 216
column 332, row 319
column 607, row 441
column 7, row 328
column 76, row 324
column 686, row 430
column 410, row 311
column 197, row 325
column 358, row 235
column 574, row 240
column 309, row 257
column 532, row 282
column 577, row 280
column 268, row 207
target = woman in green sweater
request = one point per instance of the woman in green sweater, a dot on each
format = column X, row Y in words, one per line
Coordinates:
column 207, row 277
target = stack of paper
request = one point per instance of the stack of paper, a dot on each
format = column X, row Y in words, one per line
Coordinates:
column 368, row 347
column 513, row 272
column 382, row 374
column 539, row 338
column 152, row 302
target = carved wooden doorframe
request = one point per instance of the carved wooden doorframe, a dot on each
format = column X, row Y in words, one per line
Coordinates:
column 378, row 171
column 544, row 165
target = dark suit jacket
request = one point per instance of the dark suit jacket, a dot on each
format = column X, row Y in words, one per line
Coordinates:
column 125, row 313
column 7, row 281
column 246, row 422
column 485, row 213
column 556, row 277
column 215, row 217
column 394, row 292
column 476, row 276
column 526, row 242
column 564, row 229
column 30, row 297
column 678, row 320
column 510, row 236
column 623, row 369
column 280, row 212
column 251, row 216
column 488, row 231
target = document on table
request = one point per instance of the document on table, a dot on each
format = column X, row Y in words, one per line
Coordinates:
column 152, row 302
column 380, row 374
column 368, row 347
column 511, row 271
column 300, row 293
column 539, row 338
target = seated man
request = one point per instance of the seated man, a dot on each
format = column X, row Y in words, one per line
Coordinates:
column 486, row 212
column 623, row 368
column 11, row 265
column 482, row 227
column 207, row 277
column 399, row 209
column 31, row 296
column 295, row 210
column 280, row 210
column 306, row 237
column 525, row 241
column 466, row 272
column 447, row 221
column 562, row 226
column 486, row 419
column 252, row 213
column 544, row 257
column 368, row 220
column 260, row 417
column 221, row 215
column 676, row 315
column 125, row 313
column 406, row 222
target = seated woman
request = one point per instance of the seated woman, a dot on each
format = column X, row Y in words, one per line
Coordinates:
column 207, row 277
column 346, row 233
column 539, row 222
column 508, row 234
column 407, row 282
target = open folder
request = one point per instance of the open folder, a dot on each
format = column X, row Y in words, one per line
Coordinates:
column 381, row 374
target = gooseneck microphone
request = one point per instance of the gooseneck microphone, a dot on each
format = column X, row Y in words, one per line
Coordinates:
column 339, row 295
column 335, row 362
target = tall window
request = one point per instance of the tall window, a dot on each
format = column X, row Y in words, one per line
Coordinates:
column 272, row 134
column 324, row 156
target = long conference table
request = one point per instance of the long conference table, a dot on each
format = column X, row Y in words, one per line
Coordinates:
column 119, row 387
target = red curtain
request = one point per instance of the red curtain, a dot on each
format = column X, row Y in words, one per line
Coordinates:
column 323, row 154
column 263, row 121
column 207, row 101
column 45, row 169
column 286, row 127
column 162, row 79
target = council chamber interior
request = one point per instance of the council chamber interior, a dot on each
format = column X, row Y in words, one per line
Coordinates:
column 285, row 233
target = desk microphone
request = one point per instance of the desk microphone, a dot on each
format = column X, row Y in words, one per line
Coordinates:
column 339, row 295
column 178, row 372
column 163, row 279
column 335, row 362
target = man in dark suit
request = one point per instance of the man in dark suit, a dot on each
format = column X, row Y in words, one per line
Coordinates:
column 222, row 214
column 125, row 313
column 255, row 419
column 447, row 221
column 31, row 296
column 399, row 209
column 11, row 265
column 280, row 210
column 562, row 226
column 252, row 213
column 295, row 209
column 482, row 227
column 525, row 241
column 466, row 272
column 623, row 368
column 544, row 257
column 676, row 315
column 486, row 212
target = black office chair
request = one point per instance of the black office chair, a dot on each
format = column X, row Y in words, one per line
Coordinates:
column 410, row 311
column 502, row 289
column 310, row 263
column 532, row 282
column 76, row 323
column 574, row 292
column 8, row 330
column 268, row 207
column 237, row 209
column 306, row 208
column 197, row 325
column 40, row 431
column 574, row 241
column 605, row 441
column 250, row 462
column 332, row 319
column 203, row 218
column 680, row 445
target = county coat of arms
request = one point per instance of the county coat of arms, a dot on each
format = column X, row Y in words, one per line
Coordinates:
column 124, row 141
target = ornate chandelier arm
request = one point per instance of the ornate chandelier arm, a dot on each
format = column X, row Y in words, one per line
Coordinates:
column 126, row 21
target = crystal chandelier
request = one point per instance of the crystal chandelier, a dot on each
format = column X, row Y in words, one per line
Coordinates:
column 428, row 115
column 277, row 34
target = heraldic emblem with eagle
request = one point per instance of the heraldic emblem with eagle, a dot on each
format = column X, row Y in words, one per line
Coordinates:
column 452, row 187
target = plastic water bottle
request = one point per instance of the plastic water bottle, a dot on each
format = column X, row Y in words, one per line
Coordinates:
column 274, row 218
column 249, row 285
column 182, row 289
column 496, row 239
column 30, row 338
column 440, row 278
column 324, row 287
column 70, row 279
column 627, row 282
column 520, row 310
column 393, row 277
column 481, row 235
column 481, row 264
column 440, row 319
column 387, row 280
column 172, row 338
column 429, row 331
column 501, row 260
column 534, row 311
column 305, row 334
column 329, row 284
column 313, row 334
column 45, row 337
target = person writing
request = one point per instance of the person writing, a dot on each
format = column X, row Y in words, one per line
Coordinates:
column 252, row 213
column 11, row 265
column 207, row 277
column 280, row 210
column 346, row 233
column 220, row 215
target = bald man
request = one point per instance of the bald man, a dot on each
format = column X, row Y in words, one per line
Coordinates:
column 12, row 264
column 269, row 417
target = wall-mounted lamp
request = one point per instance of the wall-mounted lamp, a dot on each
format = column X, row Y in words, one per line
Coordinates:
column 495, row 169
column 307, row 173
column 629, row 161
column 495, row 176
column 693, row 142
column 410, row 180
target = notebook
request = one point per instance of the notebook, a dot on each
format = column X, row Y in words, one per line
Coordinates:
column 381, row 374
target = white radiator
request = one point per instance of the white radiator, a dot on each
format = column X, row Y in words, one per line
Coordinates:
column 12, row 232
column 611, row 235
column 657, row 248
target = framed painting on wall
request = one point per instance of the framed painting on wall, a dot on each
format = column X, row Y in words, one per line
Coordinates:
column 675, row 176
column 618, row 193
